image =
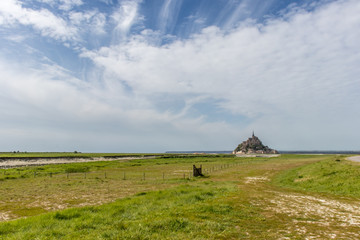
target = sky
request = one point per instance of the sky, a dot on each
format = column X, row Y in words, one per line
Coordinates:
column 163, row 75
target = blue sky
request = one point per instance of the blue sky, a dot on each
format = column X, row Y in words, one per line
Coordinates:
column 152, row 76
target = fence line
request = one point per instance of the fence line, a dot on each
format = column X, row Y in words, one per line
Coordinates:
column 127, row 175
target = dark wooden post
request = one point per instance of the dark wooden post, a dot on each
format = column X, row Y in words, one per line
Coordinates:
column 197, row 171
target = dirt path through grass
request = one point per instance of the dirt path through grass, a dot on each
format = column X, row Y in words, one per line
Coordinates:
column 309, row 216
column 294, row 214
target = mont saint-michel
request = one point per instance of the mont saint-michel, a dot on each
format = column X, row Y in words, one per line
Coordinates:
column 253, row 145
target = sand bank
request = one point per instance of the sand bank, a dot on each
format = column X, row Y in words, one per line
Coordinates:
column 354, row 158
column 39, row 162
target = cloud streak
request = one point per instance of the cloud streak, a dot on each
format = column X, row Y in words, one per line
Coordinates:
column 124, row 18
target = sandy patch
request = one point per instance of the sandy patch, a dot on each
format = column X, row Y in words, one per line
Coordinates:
column 4, row 216
column 254, row 180
column 39, row 162
column 328, row 211
column 354, row 158
column 258, row 155
column 305, row 209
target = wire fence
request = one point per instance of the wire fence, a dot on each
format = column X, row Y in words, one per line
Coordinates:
column 121, row 174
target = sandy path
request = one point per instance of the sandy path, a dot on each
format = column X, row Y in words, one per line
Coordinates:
column 354, row 158
column 37, row 162
column 313, row 216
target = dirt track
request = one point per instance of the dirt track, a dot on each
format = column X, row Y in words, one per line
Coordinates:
column 313, row 215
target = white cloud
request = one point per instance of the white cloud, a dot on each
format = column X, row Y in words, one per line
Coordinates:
column 303, row 68
column 89, row 21
column 43, row 20
column 67, row 5
column 46, row 109
column 124, row 18
column 16, row 38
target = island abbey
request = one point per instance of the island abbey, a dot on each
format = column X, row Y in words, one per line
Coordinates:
column 253, row 146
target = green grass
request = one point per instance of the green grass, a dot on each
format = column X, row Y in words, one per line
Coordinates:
column 334, row 176
column 27, row 191
column 223, row 205
column 183, row 212
column 46, row 170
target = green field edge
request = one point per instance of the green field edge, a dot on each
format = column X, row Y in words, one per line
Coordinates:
column 335, row 176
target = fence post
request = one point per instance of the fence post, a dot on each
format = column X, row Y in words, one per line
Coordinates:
column 85, row 175
column 105, row 175
column 197, row 171
column 51, row 175
column 124, row 178
column 34, row 174
column 67, row 175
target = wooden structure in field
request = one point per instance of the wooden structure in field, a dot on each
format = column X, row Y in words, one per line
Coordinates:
column 197, row 172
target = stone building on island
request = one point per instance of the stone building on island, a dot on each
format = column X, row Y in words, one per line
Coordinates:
column 253, row 146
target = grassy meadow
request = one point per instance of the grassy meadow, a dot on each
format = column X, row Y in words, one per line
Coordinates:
column 333, row 175
column 239, row 198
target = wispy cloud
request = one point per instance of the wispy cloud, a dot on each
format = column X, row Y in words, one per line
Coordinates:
column 66, row 5
column 232, row 13
column 89, row 21
column 168, row 15
column 124, row 18
column 48, row 24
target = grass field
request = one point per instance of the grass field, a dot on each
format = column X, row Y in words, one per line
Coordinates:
column 333, row 176
column 288, row 197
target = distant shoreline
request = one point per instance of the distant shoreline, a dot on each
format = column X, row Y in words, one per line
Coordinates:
column 319, row 152
column 281, row 152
